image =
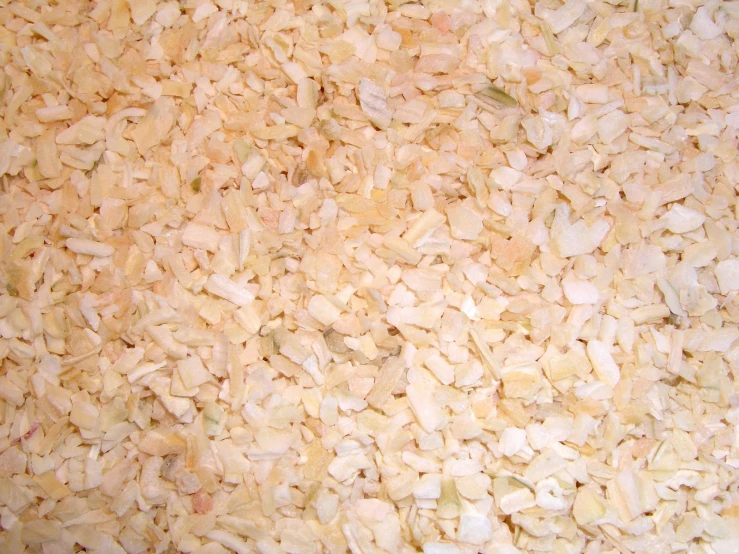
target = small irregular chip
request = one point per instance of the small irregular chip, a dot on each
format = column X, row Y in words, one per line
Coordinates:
column 727, row 274
column 373, row 100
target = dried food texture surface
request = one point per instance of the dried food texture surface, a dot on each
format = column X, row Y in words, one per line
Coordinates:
column 369, row 276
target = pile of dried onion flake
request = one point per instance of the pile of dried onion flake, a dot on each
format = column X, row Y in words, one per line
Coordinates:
column 306, row 276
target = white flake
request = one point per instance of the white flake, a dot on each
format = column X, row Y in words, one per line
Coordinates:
column 603, row 364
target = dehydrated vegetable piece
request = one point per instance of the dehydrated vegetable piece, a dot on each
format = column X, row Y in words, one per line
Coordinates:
column 603, row 364
column 155, row 125
column 89, row 247
column 385, row 382
column 424, row 405
column 727, row 273
column 588, row 507
column 497, row 94
column 224, row 287
column 323, row 310
column 374, row 104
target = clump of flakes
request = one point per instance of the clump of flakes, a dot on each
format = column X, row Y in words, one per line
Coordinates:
column 368, row 276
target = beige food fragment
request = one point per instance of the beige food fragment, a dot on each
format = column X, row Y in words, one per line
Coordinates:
column 517, row 500
column 580, row 238
column 163, row 337
column 227, row 289
column 385, row 382
column 49, row 114
column 642, row 261
column 626, row 495
column 521, row 380
column 10, row 392
column 727, row 274
column 40, row 531
column 425, row 405
column 192, row 372
column 422, row 280
column 486, row 354
column 703, row 26
column 441, row 369
column 603, row 364
column 465, row 223
column 230, row 541
column 374, row 104
column 563, row 17
column 680, row 219
column 580, row 292
column 423, row 227
column 588, row 507
column 323, row 310
column 89, row 247
column 436, row 63
column 512, row 441
column 201, row 236
column 51, row 486
column 474, row 528
column 403, row 249
column 47, row 155
column 87, row 130
column 155, row 125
